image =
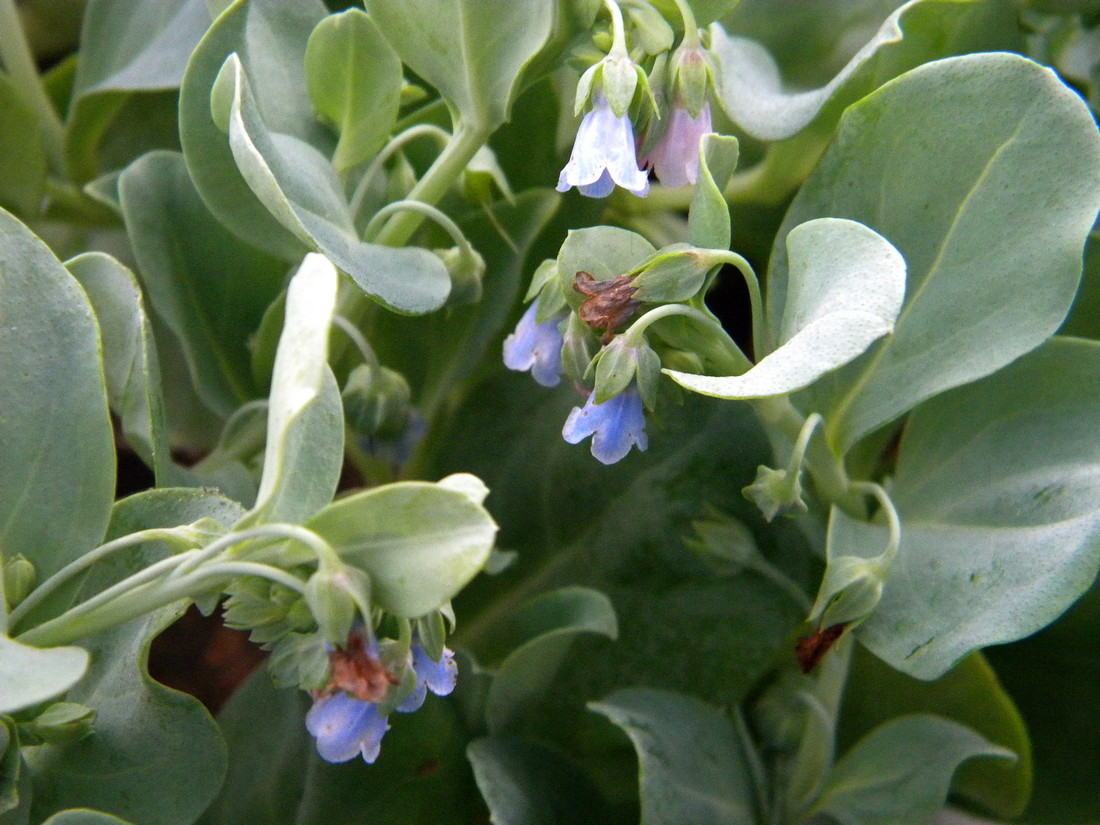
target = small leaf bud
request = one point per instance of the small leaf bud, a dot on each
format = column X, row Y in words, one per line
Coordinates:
column 19, row 579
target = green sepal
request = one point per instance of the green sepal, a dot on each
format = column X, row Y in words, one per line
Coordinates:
column 300, row 660
column 466, row 268
column 578, row 344
column 650, row 29
column 376, row 401
column 775, row 491
column 709, row 217
column 620, row 77
column 333, row 597
column 675, row 275
column 849, row 592
column 432, row 632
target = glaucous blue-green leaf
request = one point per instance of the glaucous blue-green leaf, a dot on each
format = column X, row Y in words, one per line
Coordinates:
column 10, row 765
column 354, row 79
column 471, row 51
column 83, row 816
column 984, row 172
column 276, row 777
column 845, row 288
column 705, row 11
column 525, row 783
column 155, row 756
column 22, row 154
column 208, row 287
column 305, row 419
column 125, row 48
column 969, row 694
column 899, row 773
column 129, row 359
column 420, row 543
column 811, row 42
column 709, row 219
column 986, row 474
column 269, row 38
column 690, row 760
column 57, row 465
column 545, row 628
column 296, row 182
column 750, row 87
column 29, row 675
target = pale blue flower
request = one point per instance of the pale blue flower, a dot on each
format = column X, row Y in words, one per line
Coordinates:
column 615, row 425
column 535, row 347
column 603, row 155
column 675, row 158
column 345, row 727
column 438, row 677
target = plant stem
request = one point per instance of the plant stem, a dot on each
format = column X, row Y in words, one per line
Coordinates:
column 618, row 30
column 760, row 335
column 35, row 598
column 738, row 361
column 428, row 211
column 691, row 28
column 19, row 62
column 391, row 148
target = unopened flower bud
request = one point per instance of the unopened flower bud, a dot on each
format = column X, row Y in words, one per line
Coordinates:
column 625, row 359
column 376, row 401
column 466, row 268
column 331, row 596
column 850, row 591
column 19, row 579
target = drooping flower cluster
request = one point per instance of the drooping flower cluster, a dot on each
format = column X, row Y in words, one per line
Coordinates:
column 346, row 719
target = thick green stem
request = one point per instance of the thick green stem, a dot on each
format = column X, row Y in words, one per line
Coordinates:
column 36, row 597
column 16, row 56
column 85, row 620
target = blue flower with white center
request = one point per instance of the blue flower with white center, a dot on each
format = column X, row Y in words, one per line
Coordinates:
column 535, row 347
column 615, row 425
column 603, row 155
column 345, row 727
column 438, row 677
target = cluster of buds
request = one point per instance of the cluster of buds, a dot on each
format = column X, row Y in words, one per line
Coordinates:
column 618, row 94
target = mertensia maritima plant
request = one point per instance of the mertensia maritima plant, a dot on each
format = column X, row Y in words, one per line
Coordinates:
column 592, row 411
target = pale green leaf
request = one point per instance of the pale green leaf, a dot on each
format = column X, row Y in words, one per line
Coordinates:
column 29, row 675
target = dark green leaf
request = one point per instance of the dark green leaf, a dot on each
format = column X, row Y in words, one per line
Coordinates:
column 692, row 768
column 899, row 773
column 22, row 155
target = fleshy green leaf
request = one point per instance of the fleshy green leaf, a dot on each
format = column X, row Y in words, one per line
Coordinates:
column 155, row 756
column 354, row 80
column 845, row 289
column 899, row 773
column 83, row 816
column 57, row 465
column 970, row 694
column 298, row 185
column 525, row 783
column 127, row 48
column 130, row 359
column 305, row 421
column 984, row 172
column 210, row 289
column 546, row 628
column 29, row 675
column 977, row 490
column 420, row 543
column 22, row 155
column 473, row 52
column 269, row 38
column 691, row 764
